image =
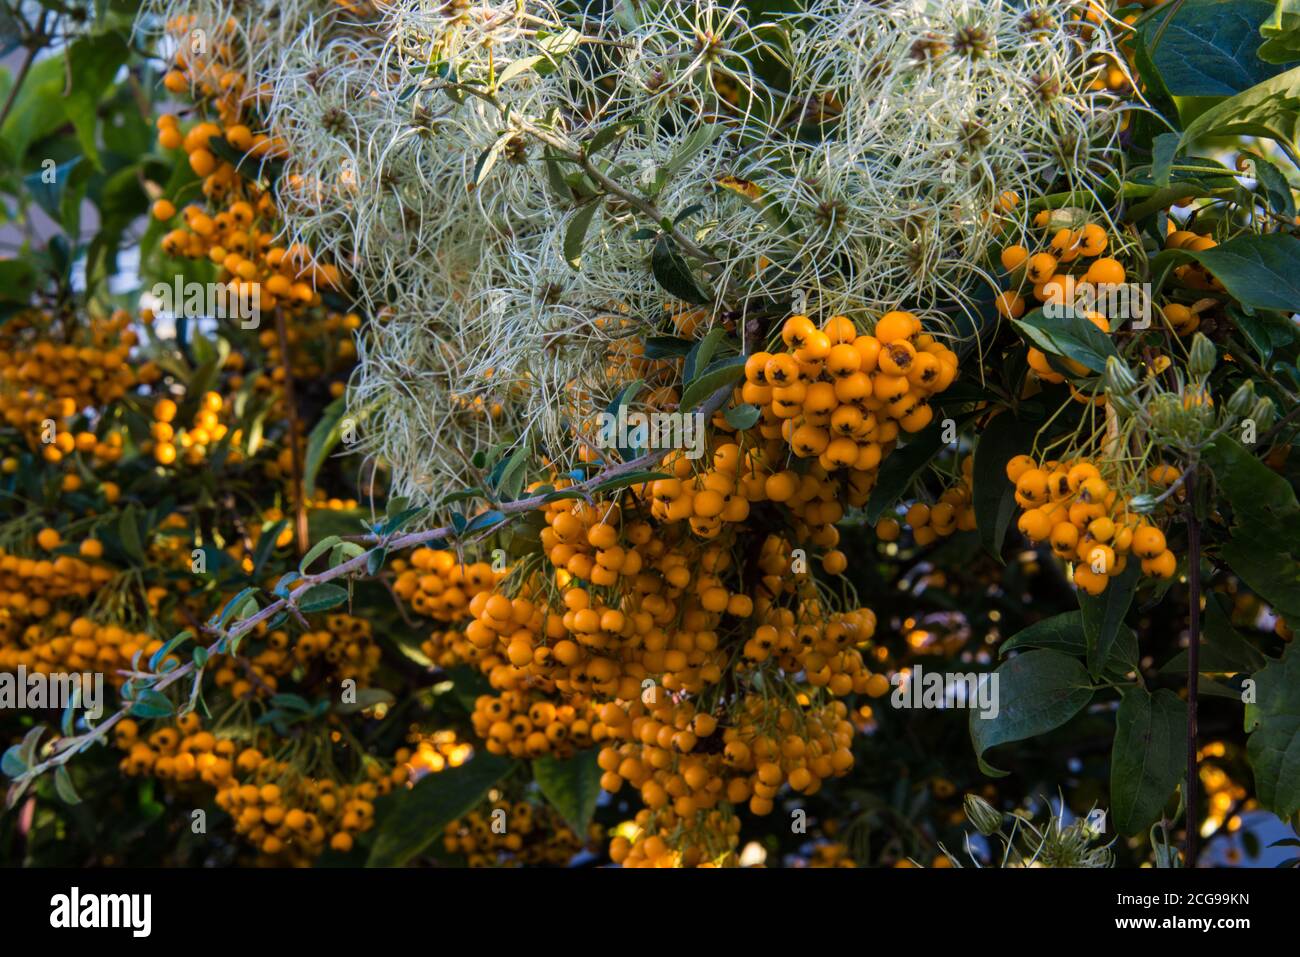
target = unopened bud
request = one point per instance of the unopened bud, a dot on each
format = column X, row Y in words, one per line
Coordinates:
column 1141, row 504
column 1243, row 400
column 1203, row 356
column 1119, row 377
column 986, row 818
column 1264, row 413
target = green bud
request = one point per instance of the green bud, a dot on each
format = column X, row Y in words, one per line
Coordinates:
column 1243, row 400
column 1142, row 504
column 986, row 818
column 1264, row 413
column 1203, row 356
column 1119, row 377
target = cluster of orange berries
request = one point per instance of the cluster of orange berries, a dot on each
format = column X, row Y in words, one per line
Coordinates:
column 29, row 587
column 519, row 834
column 690, row 760
column 1193, row 274
column 663, row 839
column 60, row 643
column 954, row 512
column 589, row 639
column 54, row 369
column 430, row 753
column 842, row 398
column 439, row 585
column 344, row 649
column 816, row 642
column 1052, row 273
column 526, row 724
column 1070, row 506
column 239, row 238
column 205, row 431
column 286, row 816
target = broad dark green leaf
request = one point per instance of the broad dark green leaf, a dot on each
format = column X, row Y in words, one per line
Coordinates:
column 1149, row 757
column 673, row 273
column 1065, row 633
column 1273, row 721
column 1270, row 109
column 902, row 468
column 1103, row 615
column 321, row 597
column 1207, row 47
column 324, row 436
column 1070, row 336
column 994, row 495
column 1038, row 691
column 421, row 814
column 572, row 786
column 721, row 374
column 1260, row 272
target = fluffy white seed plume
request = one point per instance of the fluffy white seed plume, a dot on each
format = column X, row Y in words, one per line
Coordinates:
column 850, row 155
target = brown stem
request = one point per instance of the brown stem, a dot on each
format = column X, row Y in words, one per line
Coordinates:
column 1192, row 796
column 301, row 536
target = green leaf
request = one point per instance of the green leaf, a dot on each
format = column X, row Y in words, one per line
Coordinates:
column 1270, row 109
column 721, row 374
column 667, row 347
column 902, row 468
column 1207, row 47
column 695, row 143
column 1103, row 615
column 1038, row 692
column 672, row 272
column 93, row 60
column 488, row 159
column 1070, row 336
column 518, row 67
column 1164, row 149
column 152, row 704
column 421, row 814
column 572, row 786
column 316, row 551
column 1265, row 330
column 994, row 496
column 1265, row 542
column 37, row 109
column 575, row 234
column 1149, row 756
column 1260, row 272
column 1273, row 721
column 1273, row 186
column 63, row 785
column 324, row 436
column 623, row 481
column 18, row 280
column 128, row 531
column 744, row 416
column 321, row 597
column 12, row 764
column 701, row 354
column 1065, row 633
column 1281, row 33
